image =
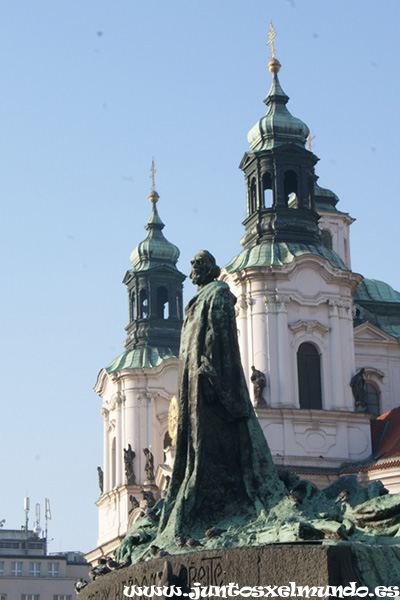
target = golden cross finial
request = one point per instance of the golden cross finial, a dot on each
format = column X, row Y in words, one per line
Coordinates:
column 310, row 140
column 272, row 36
column 152, row 173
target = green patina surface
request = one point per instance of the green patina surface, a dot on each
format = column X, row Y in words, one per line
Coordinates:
column 155, row 249
column 366, row 520
column 378, row 303
column 278, row 126
column 373, row 290
column 271, row 254
column 144, row 357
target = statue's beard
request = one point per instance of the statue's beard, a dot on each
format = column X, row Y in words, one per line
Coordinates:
column 200, row 278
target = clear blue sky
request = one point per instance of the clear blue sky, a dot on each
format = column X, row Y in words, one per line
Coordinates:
column 91, row 90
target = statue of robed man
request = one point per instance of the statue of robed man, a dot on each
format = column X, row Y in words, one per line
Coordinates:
column 223, row 467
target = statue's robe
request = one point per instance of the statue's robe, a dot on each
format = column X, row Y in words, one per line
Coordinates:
column 223, row 467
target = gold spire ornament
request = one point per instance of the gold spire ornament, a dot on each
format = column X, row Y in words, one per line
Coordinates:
column 153, row 194
column 152, row 173
column 274, row 65
column 272, row 36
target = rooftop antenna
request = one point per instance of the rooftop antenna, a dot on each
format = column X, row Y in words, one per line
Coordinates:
column 37, row 529
column 26, row 509
column 47, row 515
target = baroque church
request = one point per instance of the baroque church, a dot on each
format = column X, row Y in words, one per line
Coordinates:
column 319, row 343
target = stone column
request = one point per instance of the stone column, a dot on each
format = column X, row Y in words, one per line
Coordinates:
column 277, row 305
column 337, row 400
column 347, row 355
column 119, row 458
column 106, row 450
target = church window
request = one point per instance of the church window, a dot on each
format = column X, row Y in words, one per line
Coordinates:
column 290, row 187
column 267, row 190
column 310, row 192
column 133, row 307
column 162, row 303
column 327, row 238
column 144, row 304
column 253, row 196
column 309, row 376
column 372, row 399
column 178, row 306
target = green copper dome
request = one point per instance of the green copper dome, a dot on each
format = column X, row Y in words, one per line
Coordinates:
column 378, row 303
column 278, row 126
column 145, row 357
column 155, row 250
column 271, row 254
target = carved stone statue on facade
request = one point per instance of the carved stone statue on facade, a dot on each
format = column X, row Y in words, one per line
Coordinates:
column 259, row 382
column 149, row 466
column 129, row 456
column 101, row 478
column 358, row 387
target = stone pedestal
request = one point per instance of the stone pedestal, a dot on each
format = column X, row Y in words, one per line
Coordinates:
column 288, row 565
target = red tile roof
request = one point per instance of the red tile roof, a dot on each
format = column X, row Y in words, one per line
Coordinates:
column 385, row 435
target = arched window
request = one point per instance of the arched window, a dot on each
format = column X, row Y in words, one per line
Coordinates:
column 290, row 188
column 179, row 305
column 144, row 304
column 372, row 399
column 162, row 303
column 133, row 306
column 310, row 192
column 267, row 190
column 327, row 238
column 253, row 196
column 309, row 376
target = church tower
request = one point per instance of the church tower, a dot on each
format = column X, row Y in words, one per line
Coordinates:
column 138, row 386
column 294, row 288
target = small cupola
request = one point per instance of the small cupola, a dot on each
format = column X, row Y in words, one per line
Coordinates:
column 154, row 288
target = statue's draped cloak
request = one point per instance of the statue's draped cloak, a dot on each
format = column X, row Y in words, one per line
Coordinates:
column 223, row 467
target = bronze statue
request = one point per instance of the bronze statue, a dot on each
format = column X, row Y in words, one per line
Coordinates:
column 129, row 455
column 359, row 391
column 149, row 466
column 224, row 479
column 259, row 382
column 223, row 465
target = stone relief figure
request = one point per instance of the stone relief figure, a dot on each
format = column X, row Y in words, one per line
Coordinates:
column 129, row 455
column 359, row 391
column 149, row 466
column 223, row 466
column 259, row 383
column 101, row 478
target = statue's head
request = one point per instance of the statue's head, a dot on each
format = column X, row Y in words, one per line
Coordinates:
column 204, row 268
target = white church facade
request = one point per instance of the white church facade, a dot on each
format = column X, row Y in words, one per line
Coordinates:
column 306, row 322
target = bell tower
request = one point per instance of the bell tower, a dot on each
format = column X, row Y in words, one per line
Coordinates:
column 154, row 288
column 138, row 386
column 279, row 173
column 294, row 288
